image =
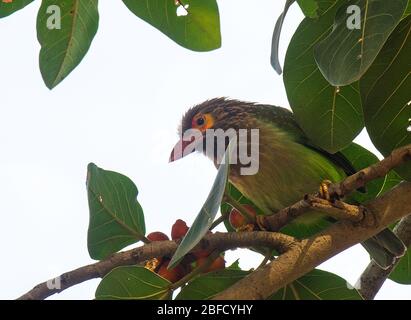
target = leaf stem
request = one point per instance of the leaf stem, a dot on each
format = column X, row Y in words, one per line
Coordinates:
column 218, row 221
column 265, row 260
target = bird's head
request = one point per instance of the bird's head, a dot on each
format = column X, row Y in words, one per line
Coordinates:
column 219, row 113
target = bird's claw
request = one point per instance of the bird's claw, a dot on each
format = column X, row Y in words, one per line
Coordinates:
column 324, row 190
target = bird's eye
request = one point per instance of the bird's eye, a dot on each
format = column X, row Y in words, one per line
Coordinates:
column 200, row 121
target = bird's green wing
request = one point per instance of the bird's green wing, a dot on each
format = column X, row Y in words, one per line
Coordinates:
column 284, row 119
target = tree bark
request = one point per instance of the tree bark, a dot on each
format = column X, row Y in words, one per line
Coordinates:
column 309, row 253
column 373, row 276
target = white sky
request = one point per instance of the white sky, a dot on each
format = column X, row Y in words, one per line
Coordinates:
column 120, row 109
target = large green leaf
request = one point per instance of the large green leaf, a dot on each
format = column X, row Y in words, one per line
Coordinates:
column 133, row 283
column 331, row 117
column 116, row 217
column 63, row 49
column 205, row 218
column 197, row 29
column 207, row 286
column 275, row 42
column 317, row 285
column 347, row 52
column 7, row 8
column 385, row 91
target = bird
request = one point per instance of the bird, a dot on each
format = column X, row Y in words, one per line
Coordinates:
column 289, row 165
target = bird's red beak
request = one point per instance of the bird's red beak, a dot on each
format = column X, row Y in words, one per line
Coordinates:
column 182, row 148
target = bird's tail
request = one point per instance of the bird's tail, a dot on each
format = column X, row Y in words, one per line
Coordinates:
column 385, row 248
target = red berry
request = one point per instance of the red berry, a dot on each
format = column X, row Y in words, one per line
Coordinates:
column 179, row 229
column 237, row 220
column 171, row 275
column 202, row 253
column 157, row 236
column 217, row 264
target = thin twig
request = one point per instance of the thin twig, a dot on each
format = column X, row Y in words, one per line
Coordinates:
column 218, row 221
column 265, row 260
column 378, row 170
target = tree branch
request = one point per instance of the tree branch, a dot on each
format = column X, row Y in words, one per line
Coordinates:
column 309, row 253
column 373, row 276
column 302, row 256
column 218, row 241
column 337, row 209
column 378, row 170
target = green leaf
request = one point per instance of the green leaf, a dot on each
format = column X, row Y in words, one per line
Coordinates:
column 309, row 8
column 116, row 217
column 402, row 272
column 361, row 158
column 207, row 286
column 7, row 9
column 385, row 91
column 347, row 52
column 63, row 49
column 391, row 180
column 408, row 10
column 317, row 285
column 207, row 213
column 275, row 42
column 315, row 8
column 331, row 117
column 235, row 265
column 198, row 29
column 132, row 283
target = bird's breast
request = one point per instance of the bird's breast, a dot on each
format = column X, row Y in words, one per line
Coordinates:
column 287, row 170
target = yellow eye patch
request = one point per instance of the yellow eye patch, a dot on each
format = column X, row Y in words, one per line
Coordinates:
column 202, row 122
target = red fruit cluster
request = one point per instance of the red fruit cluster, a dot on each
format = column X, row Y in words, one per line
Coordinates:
column 243, row 223
column 191, row 261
